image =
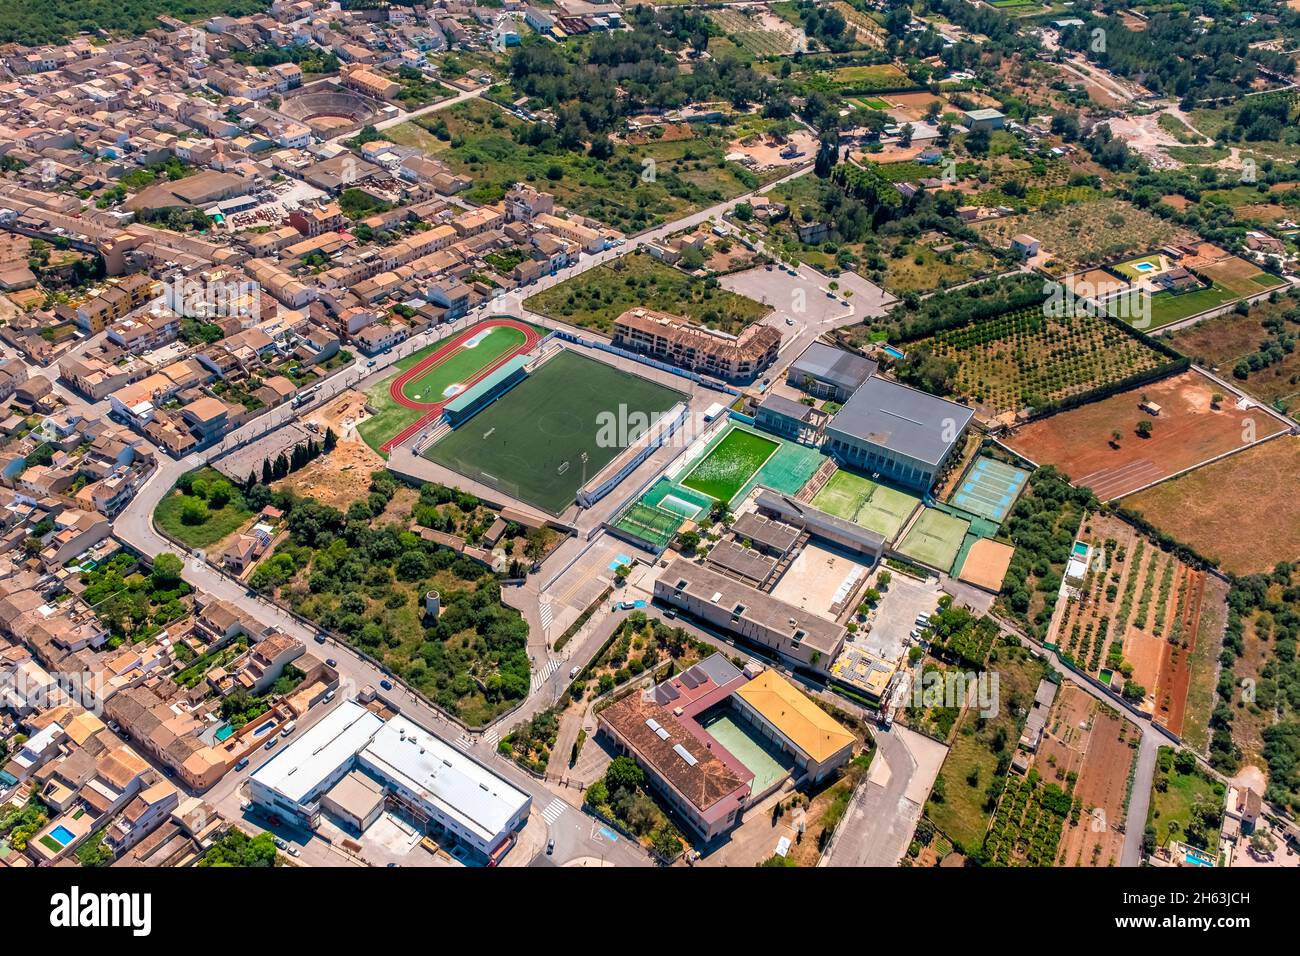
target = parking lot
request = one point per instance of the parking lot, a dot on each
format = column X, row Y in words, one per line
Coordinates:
column 895, row 616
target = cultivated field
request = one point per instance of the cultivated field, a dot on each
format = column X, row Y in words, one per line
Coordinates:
column 1088, row 750
column 1189, row 430
column 1086, row 234
column 777, row 38
column 1228, row 511
column 1133, row 618
column 1251, row 348
column 1026, row 358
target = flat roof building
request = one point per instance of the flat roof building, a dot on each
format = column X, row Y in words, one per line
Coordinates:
column 800, row 638
column 902, row 433
column 827, row 372
column 431, row 780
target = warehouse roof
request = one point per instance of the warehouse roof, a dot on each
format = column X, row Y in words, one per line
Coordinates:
column 829, row 364
column 903, row 420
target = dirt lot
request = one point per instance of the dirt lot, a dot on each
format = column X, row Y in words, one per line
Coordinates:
column 1228, row 511
column 1188, row 431
column 340, row 477
column 1092, row 741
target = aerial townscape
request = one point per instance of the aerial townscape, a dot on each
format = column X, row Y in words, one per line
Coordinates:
column 589, row 433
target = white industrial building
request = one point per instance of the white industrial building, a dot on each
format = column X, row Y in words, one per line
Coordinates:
column 421, row 774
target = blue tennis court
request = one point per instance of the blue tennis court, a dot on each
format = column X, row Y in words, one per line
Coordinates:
column 989, row 489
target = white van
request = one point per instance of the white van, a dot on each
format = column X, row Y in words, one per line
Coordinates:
column 575, row 672
column 289, row 728
column 922, row 619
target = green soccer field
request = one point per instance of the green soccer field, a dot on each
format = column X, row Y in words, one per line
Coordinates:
column 935, row 539
column 866, row 503
column 731, row 463
column 529, row 443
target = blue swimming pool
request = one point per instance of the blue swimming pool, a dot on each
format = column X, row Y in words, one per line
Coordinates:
column 892, row 352
column 1080, row 549
column 62, row 834
column 224, row 733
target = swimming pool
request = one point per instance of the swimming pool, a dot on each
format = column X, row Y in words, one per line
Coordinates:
column 63, row 835
column 1080, row 549
column 224, row 733
column 892, row 352
column 1197, row 858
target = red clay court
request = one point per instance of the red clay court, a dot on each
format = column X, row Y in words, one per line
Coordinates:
column 456, row 365
column 1187, row 432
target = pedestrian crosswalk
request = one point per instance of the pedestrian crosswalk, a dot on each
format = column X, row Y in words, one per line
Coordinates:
column 548, row 615
column 554, row 810
column 541, row 676
column 464, row 741
column 491, row 737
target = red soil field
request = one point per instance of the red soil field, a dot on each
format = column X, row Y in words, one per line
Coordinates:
column 1187, row 432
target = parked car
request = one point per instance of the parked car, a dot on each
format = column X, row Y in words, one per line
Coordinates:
column 386, row 684
column 281, row 844
column 331, row 662
column 550, row 846
column 320, row 638
column 271, row 743
column 243, row 762
column 289, row 728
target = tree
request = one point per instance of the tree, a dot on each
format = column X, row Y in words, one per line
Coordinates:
column 1144, row 428
column 193, row 513
column 624, row 774
column 331, row 439
column 166, row 574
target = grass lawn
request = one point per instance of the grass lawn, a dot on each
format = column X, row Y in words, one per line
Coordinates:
column 596, row 298
column 1175, row 803
column 1169, row 307
column 219, row 522
column 731, row 463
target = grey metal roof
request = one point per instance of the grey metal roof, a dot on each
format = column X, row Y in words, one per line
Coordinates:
column 829, row 364
column 780, row 405
column 902, row 419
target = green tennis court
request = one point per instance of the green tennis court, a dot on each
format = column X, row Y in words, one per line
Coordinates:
column 935, row 539
column 538, row 442
column 729, row 466
column 866, row 503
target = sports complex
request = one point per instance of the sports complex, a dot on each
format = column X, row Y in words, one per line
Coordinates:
column 429, row 379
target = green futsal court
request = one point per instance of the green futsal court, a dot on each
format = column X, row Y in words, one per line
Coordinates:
column 530, row 443
column 729, row 466
column 935, row 539
column 866, row 503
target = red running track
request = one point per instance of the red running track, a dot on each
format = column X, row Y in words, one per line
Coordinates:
column 434, row 409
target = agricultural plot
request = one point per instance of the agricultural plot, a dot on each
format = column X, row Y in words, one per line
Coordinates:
column 1026, row 830
column 980, row 755
column 1131, row 618
column 1026, row 358
column 1191, row 428
column 753, row 36
column 690, row 174
column 1228, row 510
column 869, row 32
column 1252, row 348
column 1086, row 234
column 918, row 267
column 1088, row 750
